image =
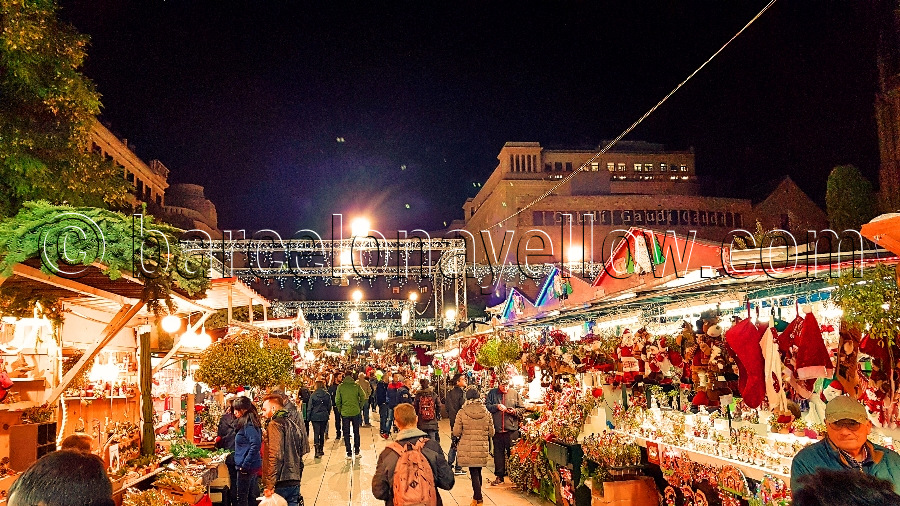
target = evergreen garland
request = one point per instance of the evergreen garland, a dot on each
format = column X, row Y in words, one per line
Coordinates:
column 870, row 299
column 66, row 238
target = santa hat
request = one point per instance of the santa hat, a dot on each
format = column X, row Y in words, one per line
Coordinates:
column 700, row 399
column 744, row 339
column 714, row 331
column 833, row 390
column 813, row 360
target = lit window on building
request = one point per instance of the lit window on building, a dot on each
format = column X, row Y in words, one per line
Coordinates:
column 682, row 167
column 621, row 167
column 663, row 167
column 638, row 167
column 595, row 166
column 610, row 166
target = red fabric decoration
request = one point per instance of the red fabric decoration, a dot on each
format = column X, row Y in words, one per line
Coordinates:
column 813, row 360
column 744, row 339
column 597, row 393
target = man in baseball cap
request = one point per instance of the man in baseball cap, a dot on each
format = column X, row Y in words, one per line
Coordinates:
column 846, row 447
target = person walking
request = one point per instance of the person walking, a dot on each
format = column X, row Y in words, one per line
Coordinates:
column 384, row 395
column 366, row 387
column 225, row 434
column 247, row 444
column 319, row 412
column 505, row 406
column 474, row 427
column 410, row 439
column 332, row 389
column 304, row 395
column 349, row 400
column 428, row 409
column 455, row 400
column 283, row 458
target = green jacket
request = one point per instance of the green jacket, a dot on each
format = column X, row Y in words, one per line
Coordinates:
column 349, row 398
column 883, row 463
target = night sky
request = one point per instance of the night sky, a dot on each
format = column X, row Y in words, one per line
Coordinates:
column 249, row 98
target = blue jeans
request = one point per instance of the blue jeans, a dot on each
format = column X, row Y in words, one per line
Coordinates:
column 451, row 454
column 247, row 488
column 290, row 494
column 365, row 412
column 387, row 419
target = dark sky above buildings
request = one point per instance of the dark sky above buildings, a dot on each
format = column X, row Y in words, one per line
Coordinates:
column 249, row 98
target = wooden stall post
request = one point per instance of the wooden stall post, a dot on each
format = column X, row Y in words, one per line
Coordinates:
column 189, row 430
column 148, row 434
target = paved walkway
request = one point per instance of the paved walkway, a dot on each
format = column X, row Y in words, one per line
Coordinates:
column 335, row 481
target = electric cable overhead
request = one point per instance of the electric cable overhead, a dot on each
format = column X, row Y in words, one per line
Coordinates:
column 633, row 125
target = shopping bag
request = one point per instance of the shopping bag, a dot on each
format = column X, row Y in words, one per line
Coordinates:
column 275, row 500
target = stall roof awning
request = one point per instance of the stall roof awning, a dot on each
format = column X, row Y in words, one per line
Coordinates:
column 884, row 230
column 241, row 294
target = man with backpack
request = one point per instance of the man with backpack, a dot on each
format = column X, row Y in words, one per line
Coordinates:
column 410, row 470
column 283, row 451
column 428, row 409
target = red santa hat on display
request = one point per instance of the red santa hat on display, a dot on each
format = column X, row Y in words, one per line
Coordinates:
column 834, row 389
column 812, row 358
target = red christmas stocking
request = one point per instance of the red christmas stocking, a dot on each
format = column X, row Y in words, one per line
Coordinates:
column 744, row 339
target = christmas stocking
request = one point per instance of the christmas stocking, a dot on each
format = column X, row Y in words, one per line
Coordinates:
column 773, row 371
column 744, row 340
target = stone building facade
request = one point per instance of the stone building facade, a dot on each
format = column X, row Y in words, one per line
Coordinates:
column 639, row 184
column 182, row 205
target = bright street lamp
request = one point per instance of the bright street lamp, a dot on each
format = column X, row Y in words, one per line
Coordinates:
column 413, row 296
column 353, row 317
column 574, row 253
column 360, row 227
column 450, row 314
column 357, row 295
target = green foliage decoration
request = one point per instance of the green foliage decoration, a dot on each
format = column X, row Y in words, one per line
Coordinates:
column 871, row 301
column 47, row 113
column 65, row 238
column 239, row 360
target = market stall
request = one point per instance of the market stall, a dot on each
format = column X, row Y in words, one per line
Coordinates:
column 659, row 389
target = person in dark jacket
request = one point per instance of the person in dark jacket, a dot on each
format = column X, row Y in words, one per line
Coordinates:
column 428, row 422
column 283, row 461
column 349, row 402
column 319, row 412
column 225, row 441
column 383, row 480
column 506, row 407
column 247, row 444
column 388, row 389
column 455, row 400
column 304, row 405
column 297, row 417
column 336, row 380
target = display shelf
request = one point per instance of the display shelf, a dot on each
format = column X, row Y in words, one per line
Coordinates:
column 751, row 471
column 134, row 481
column 17, row 406
column 27, row 380
column 99, row 398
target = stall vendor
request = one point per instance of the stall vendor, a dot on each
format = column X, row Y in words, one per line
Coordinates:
column 847, row 446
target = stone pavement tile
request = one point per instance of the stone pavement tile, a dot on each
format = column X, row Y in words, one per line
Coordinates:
column 334, row 481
